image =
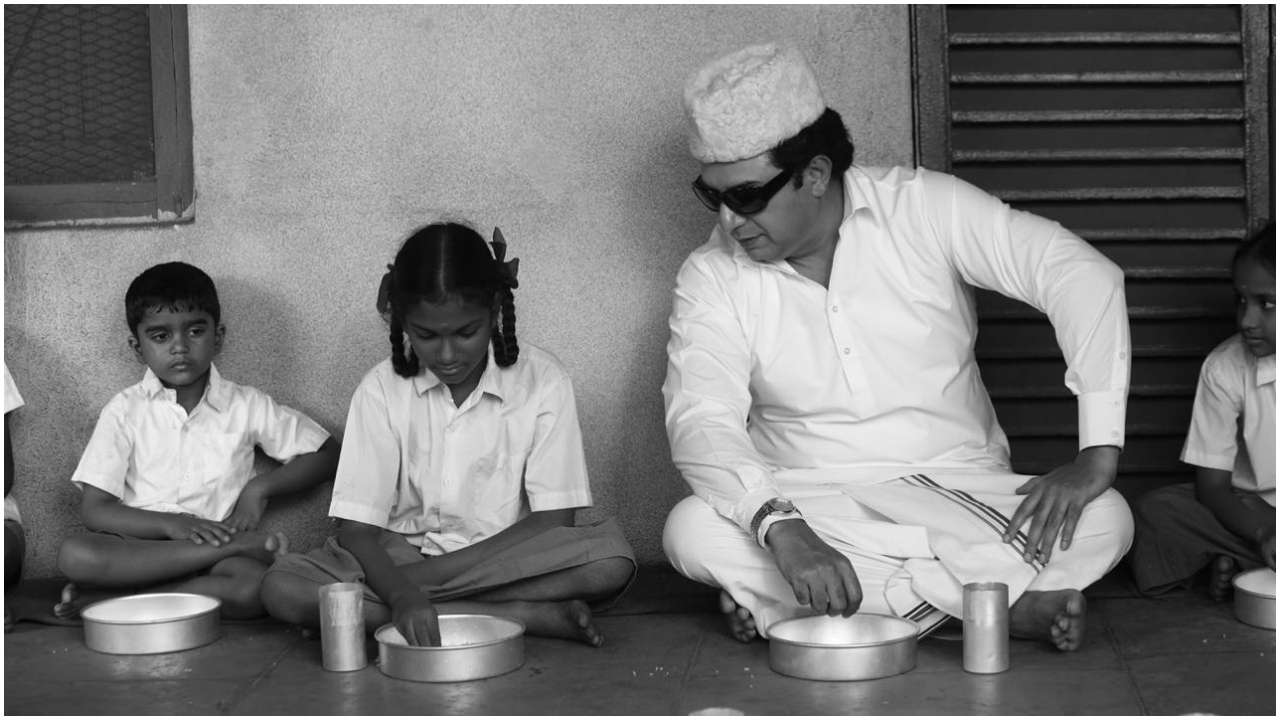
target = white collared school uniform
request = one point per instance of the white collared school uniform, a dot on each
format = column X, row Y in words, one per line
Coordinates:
column 777, row 386
column 149, row 452
column 1233, row 420
column 446, row 476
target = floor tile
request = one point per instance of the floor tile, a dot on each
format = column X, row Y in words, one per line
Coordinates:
column 1222, row 683
column 1026, row 693
column 54, row 695
column 1181, row 623
column 243, row 651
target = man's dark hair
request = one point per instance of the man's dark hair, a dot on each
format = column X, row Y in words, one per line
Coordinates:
column 825, row 136
column 174, row 286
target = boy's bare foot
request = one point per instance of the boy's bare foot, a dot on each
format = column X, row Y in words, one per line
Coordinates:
column 741, row 625
column 1055, row 615
column 567, row 619
column 259, row 545
column 1221, row 572
column 75, row 598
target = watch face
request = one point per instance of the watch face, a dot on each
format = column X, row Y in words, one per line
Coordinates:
column 782, row 505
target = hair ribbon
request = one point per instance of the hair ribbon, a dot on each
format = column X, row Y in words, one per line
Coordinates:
column 506, row 269
column 383, row 303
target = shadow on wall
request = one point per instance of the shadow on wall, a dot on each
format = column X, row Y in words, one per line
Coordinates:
column 644, row 500
column 45, row 451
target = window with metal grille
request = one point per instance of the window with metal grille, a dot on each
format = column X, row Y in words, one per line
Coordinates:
column 1147, row 130
column 97, row 114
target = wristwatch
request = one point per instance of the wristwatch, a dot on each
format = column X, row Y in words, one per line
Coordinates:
column 773, row 510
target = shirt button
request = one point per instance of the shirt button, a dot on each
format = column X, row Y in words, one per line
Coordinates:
column 847, row 351
column 835, row 308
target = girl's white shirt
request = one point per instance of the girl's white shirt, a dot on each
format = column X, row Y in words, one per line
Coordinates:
column 447, row 476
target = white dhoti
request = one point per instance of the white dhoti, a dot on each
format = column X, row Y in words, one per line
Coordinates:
column 914, row 541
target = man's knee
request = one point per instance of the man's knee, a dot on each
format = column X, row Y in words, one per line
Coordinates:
column 1109, row 515
column 697, row 539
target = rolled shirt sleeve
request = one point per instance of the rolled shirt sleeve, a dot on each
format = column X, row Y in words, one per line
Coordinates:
column 1033, row 259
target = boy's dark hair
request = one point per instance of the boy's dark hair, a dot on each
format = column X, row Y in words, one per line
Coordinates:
column 174, row 286
column 1259, row 247
column 450, row 261
column 825, row 136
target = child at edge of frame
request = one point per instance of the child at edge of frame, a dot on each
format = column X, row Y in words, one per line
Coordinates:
column 462, row 466
column 168, row 495
column 1225, row 521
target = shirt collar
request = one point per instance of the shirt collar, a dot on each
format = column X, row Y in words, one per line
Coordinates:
column 491, row 381
column 215, row 392
column 854, row 200
column 1265, row 370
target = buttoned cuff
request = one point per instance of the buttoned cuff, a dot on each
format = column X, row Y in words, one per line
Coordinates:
column 1101, row 418
column 744, row 511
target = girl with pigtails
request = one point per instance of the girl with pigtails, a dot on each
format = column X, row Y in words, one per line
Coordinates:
column 462, row 466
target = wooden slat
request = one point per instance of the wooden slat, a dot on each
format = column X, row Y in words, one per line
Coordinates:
column 1046, row 116
column 1157, row 272
column 1019, row 311
column 1105, row 154
column 1040, row 392
column 1095, row 38
column 1166, row 234
column 1098, row 77
column 1120, row 193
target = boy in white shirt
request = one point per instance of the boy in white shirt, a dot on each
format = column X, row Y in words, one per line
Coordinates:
column 169, row 496
column 1226, row 520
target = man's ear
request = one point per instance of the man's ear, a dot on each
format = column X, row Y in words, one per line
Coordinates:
column 219, row 336
column 818, row 175
column 136, row 347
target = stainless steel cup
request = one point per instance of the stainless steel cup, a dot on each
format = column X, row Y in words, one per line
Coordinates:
column 342, row 627
column 986, row 627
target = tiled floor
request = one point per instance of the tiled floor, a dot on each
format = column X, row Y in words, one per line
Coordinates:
column 1166, row 657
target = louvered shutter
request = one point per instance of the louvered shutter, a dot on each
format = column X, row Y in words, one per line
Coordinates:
column 1147, row 131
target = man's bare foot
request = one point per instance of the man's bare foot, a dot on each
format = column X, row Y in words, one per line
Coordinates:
column 262, row 546
column 565, row 619
column 1056, row 616
column 1221, row 572
column 741, row 625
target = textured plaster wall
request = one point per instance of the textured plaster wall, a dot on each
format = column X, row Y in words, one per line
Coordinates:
column 324, row 134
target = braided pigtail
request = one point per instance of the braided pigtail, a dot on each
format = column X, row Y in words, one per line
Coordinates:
column 404, row 361
column 505, row 347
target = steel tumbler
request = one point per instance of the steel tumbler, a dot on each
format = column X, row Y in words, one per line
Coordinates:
column 342, row 633
column 986, row 627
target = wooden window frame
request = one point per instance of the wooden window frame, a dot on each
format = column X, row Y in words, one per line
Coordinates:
column 169, row 197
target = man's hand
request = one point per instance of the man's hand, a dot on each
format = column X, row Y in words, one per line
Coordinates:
column 197, row 530
column 415, row 617
column 249, row 508
column 1055, row 500
column 819, row 575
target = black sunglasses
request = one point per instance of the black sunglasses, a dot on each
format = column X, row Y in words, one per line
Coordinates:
column 741, row 199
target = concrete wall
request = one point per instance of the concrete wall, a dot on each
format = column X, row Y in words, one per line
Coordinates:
column 324, row 134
